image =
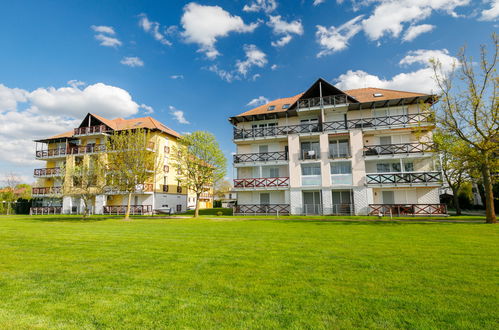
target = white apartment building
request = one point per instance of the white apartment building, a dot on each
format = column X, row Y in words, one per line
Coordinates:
column 327, row 151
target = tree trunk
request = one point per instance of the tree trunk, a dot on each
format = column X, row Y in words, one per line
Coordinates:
column 196, row 211
column 128, row 206
column 456, row 201
column 490, row 213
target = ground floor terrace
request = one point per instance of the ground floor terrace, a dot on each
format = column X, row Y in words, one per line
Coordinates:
column 390, row 201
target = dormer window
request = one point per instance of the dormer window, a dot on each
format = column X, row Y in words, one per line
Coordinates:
column 377, row 95
column 285, row 106
column 270, row 108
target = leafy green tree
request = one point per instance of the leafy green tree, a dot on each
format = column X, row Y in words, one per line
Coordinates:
column 199, row 162
column 469, row 110
column 131, row 162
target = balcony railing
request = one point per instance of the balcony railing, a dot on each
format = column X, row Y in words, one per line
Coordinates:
column 134, row 209
column 262, row 209
column 206, row 196
column 260, row 157
column 88, row 149
column 407, row 209
column 340, row 125
column 51, row 153
column 99, row 129
column 40, row 172
column 46, row 191
column 242, row 133
column 140, row 188
column 45, row 210
column 326, row 101
column 398, row 148
column 404, row 177
column 261, row 182
column 310, row 154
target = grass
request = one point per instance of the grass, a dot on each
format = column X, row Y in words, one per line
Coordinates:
column 213, row 211
column 61, row 272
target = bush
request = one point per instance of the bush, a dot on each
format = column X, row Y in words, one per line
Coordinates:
column 220, row 213
column 213, row 211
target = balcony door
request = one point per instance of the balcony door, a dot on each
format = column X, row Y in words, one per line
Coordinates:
column 264, row 198
column 310, row 150
column 312, row 203
column 388, row 197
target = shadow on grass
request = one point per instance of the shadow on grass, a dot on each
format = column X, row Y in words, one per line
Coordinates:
column 396, row 222
column 45, row 218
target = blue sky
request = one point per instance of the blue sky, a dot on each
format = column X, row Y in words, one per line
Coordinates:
column 193, row 64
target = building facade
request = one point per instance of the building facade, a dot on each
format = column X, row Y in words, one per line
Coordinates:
column 327, row 151
column 60, row 152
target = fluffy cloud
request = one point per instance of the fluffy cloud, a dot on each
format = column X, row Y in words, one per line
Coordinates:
column 103, row 29
column 203, row 25
column 318, row 2
column 261, row 100
column 223, row 74
column 9, row 97
column 132, row 61
column 177, row 76
column 492, row 13
column 153, row 28
column 334, row 39
column 266, row 6
column 415, row 30
column 254, row 57
column 286, row 29
column 178, row 115
column 147, row 109
column 420, row 80
column 105, row 34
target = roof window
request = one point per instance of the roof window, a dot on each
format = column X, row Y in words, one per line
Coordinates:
column 285, row 106
column 377, row 95
column 270, row 108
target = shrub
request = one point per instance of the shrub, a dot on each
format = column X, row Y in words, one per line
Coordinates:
column 220, row 213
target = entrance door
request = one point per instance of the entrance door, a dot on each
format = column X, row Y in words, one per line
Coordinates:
column 388, row 197
column 312, row 202
column 342, row 202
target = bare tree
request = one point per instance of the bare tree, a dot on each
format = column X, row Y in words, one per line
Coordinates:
column 469, row 110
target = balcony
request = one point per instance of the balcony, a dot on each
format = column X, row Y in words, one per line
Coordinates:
column 399, row 148
column 404, row 178
column 45, row 210
column 46, row 191
column 274, row 131
column 140, row 188
column 91, row 130
column 310, row 154
column 315, row 103
column 407, row 209
column 261, row 157
column 281, row 182
column 51, row 153
column 46, row 172
column 134, row 210
column 88, row 149
column 262, row 209
column 206, row 195
column 373, row 123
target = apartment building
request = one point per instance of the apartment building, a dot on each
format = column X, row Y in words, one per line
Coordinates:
column 328, row 151
column 88, row 140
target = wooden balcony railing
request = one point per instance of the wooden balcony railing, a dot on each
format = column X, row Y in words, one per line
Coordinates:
column 55, row 171
column 242, row 133
column 45, row 210
column 260, row 157
column 397, row 120
column 51, row 153
column 261, row 182
column 134, row 209
column 262, row 209
column 46, row 191
column 404, row 177
column 206, row 195
column 99, row 129
column 325, row 101
column 88, row 149
column 407, row 209
column 398, row 148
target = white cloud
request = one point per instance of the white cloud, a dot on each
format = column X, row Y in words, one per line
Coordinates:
column 10, row 97
column 318, row 2
column 108, row 41
column 415, row 30
column 334, row 39
column 420, row 80
column 286, row 29
column 203, row 25
column 223, row 74
column 492, row 13
column 132, row 61
column 266, row 6
column 256, row 76
column 261, row 100
column 254, row 57
column 178, row 115
column 76, row 83
column 274, row 67
column 177, row 76
column 147, row 109
column 154, row 29
column 103, row 29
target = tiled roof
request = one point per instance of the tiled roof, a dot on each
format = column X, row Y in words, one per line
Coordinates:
column 277, row 103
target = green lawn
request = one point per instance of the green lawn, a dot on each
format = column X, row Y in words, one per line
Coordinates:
column 60, row 272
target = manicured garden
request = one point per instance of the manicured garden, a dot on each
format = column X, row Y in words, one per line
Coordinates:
column 222, row 272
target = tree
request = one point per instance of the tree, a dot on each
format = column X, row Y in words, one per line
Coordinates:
column 199, row 162
column 10, row 193
column 222, row 187
column 131, row 162
column 453, row 158
column 469, row 110
column 84, row 180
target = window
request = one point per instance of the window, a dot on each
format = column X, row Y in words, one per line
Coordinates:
column 311, row 169
column 383, row 168
column 409, row 167
column 263, row 148
column 166, row 168
column 270, row 108
column 339, row 149
column 341, row 168
column 274, row 172
column 167, row 150
column 377, row 95
column 179, row 207
column 264, row 199
column 285, row 106
column 394, row 167
column 310, row 150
